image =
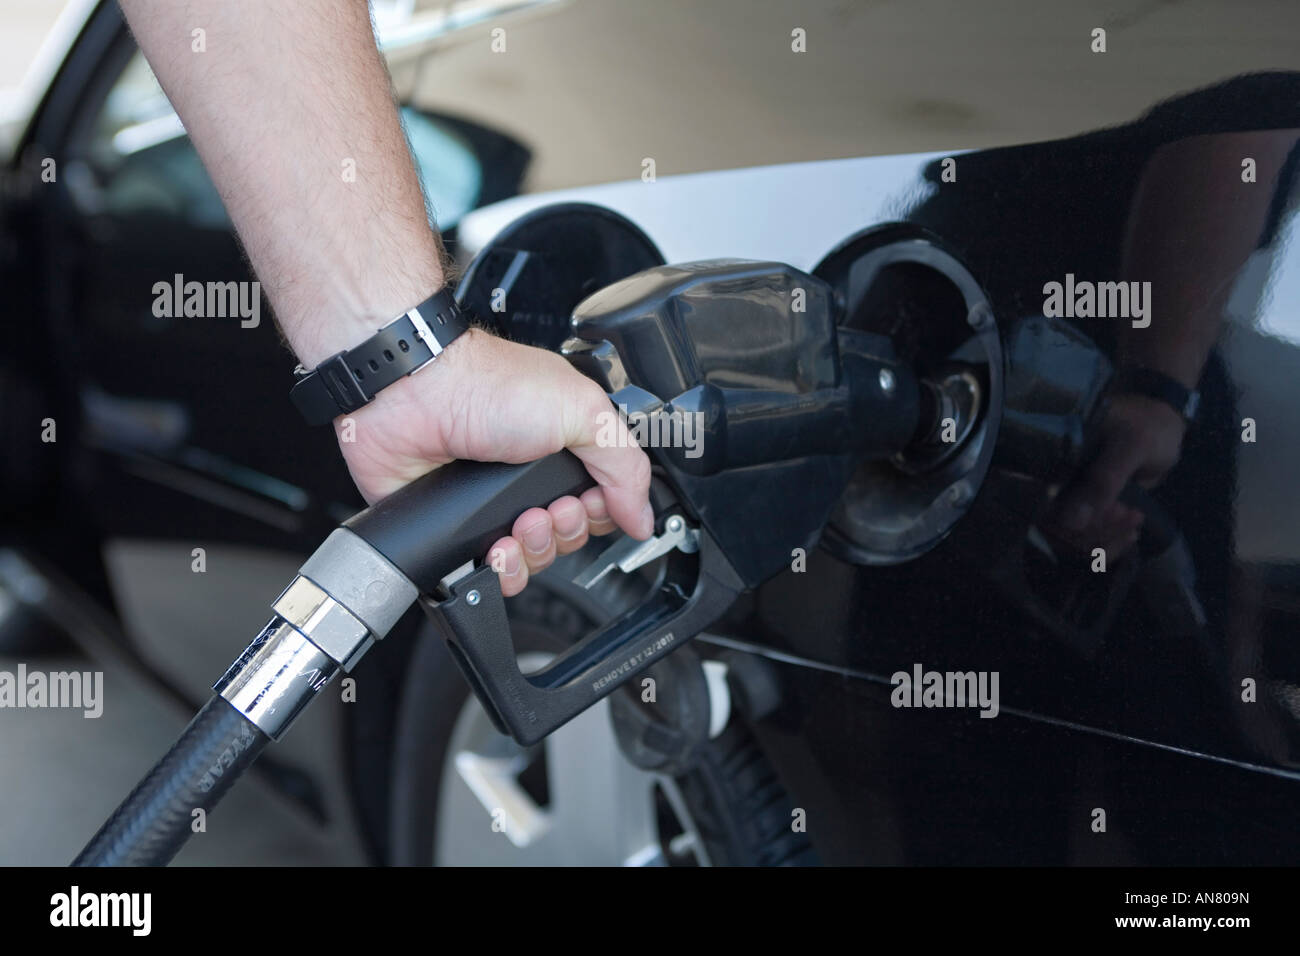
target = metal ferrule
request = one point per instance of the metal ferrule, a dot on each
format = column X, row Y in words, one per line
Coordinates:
column 346, row 596
column 361, row 579
column 324, row 621
column 276, row 677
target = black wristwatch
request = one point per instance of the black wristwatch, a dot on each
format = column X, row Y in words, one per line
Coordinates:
column 1163, row 388
column 348, row 380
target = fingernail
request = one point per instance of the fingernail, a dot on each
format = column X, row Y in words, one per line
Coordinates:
column 568, row 526
column 505, row 562
column 598, row 512
column 1077, row 516
column 537, row 538
column 647, row 520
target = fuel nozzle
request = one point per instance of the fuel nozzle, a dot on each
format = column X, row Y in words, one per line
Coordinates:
column 951, row 400
column 789, row 407
column 872, row 412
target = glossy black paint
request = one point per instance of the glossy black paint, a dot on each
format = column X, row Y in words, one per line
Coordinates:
column 1202, row 702
column 533, row 274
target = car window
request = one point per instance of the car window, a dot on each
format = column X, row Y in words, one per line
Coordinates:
column 144, row 162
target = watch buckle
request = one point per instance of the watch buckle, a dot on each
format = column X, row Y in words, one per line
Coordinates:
column 425, row 335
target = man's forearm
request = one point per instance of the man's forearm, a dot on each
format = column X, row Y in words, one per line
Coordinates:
column 290, row 109
column 1192, row 251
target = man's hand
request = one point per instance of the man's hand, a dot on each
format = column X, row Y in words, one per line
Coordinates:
column 486, row 399
column 1141, row 440
column 282, row 98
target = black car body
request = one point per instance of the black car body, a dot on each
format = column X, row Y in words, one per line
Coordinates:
column 1164, row 691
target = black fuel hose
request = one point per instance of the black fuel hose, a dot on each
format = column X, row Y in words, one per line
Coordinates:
column 152, row 824
column 426, row 529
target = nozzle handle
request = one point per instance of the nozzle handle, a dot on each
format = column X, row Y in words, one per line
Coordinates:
column 433, row 525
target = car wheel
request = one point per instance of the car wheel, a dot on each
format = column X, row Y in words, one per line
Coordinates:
column 464, row 794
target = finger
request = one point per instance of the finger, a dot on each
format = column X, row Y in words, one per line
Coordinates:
column 619, row 466
column 533, row 531
column 1149, row 478
column 624, row 476
column 1122, row 529
column 1074, row 511
column 1116, row 548
column 1130, row 518
column 568, row 523
column 1101, row 484
column 1104, row 534
column 1111, row 515
column 507, row 560
column 598, row 520
column 1113, row 469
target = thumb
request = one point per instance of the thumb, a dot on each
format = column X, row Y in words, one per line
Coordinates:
column 621, row 469
column 1101, row 484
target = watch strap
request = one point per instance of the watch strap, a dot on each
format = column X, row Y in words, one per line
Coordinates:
column 1163, row 388
column 349, row 380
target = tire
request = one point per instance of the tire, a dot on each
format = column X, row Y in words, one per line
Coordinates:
column 740, row 807
column 736, row 811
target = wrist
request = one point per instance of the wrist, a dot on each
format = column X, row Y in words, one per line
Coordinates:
column 342, row 315
column 1151, row 409
column 443, row 376
column 1162, row 388
column 1183, row 369
column 406, row 345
